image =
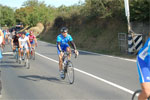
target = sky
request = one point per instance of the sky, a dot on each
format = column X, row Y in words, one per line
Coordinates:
column 55, row 3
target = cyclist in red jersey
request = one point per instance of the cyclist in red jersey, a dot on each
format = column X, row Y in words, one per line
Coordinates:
column 32, row 39
column 33, row 42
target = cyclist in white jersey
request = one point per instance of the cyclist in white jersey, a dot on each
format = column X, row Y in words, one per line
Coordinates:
column 24, row 43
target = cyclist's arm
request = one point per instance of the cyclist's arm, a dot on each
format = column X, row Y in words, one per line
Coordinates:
column 35, row 41
column 59, row 48
column 73, row 45
column 28, row 43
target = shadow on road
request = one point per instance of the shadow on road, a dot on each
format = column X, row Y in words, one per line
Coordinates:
column 11, row 66
column 37, row 78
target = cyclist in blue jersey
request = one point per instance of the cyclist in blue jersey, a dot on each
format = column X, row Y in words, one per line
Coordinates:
column 143, row 65
column 27, row 33
column 62, row 45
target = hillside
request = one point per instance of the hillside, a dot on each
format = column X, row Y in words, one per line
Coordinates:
column 98, row 35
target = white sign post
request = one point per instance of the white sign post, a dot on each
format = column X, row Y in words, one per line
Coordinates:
column 126, row 3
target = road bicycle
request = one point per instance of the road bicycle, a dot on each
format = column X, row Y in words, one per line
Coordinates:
column 24, row 59
column 136, row 94
column 32, row 53
column 68, row 67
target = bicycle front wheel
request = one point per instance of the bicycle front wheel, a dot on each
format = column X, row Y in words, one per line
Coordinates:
column 70, row 72
column 136, row 94
column 27, row 63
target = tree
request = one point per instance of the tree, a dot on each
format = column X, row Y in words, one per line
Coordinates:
column 6, row 16
column 32, row 13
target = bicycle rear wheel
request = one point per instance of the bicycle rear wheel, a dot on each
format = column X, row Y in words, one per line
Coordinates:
column 70, row 72
column 33, row 55
column 27, row 63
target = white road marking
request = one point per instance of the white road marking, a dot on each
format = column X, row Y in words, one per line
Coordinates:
column 5, row 53
column 98, row 78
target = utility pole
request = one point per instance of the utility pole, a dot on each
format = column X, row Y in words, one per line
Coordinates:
column 127, row 12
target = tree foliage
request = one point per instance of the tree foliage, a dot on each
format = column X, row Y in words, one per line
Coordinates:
column 34, row 11
column 140, row 10
column 6, row 16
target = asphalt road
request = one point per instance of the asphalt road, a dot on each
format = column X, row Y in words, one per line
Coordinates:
column 97, row 77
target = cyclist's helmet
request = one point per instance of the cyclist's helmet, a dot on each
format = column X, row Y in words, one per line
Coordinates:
column 64, row 29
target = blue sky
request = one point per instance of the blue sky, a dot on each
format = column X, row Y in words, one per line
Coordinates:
column 56, row 3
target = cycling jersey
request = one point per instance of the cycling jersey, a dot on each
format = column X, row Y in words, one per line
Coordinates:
column 143, row 62
column 63, row 42
column 24, row 42
column 31, row 39
column 15, row 40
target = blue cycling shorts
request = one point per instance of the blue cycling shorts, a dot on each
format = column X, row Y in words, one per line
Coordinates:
column 32, row 42
column 63, row 47
column 143, row 70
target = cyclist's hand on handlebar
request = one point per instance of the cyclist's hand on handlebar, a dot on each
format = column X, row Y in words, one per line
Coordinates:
column 76, row 53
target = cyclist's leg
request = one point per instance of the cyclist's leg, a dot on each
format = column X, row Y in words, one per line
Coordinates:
column 20, row 53
column 145, row 91
column 68, row 49
column 33, row 46
column 60, row 55
column 60, row 59
column 14, row 47
column 27, row 50
column 144, row 75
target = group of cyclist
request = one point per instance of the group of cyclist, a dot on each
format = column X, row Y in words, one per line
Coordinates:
column 28, row 40
column 19, row 40
column 23, row 41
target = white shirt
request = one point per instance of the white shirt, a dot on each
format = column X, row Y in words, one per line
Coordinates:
column 23, row 40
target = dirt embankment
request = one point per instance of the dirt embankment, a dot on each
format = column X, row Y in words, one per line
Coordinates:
column 99, row 35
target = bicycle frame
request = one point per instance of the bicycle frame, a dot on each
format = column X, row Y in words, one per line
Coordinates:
column 32, row 53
